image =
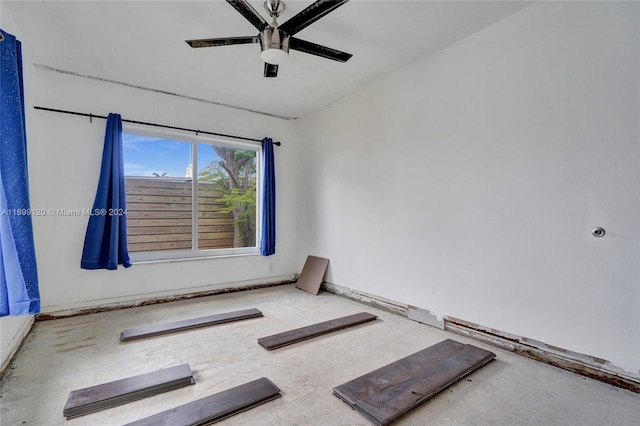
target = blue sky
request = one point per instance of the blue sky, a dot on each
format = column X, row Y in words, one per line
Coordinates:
column 144, row 155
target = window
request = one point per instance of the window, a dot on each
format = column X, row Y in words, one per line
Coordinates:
column 189, row 196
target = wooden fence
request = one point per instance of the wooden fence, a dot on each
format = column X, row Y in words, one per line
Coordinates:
column 159, row 215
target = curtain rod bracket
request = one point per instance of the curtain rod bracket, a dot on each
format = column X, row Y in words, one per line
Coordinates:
column 90, row 118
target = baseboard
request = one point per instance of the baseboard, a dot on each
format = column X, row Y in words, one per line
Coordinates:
column 366, row 298
column 160, row 298
column 15, row 344
column 585, row 365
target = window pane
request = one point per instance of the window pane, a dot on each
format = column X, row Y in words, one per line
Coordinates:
column 159, row 193
column 226, row 197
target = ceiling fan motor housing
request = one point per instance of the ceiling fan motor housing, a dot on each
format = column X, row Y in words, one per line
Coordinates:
column 274, row 38
column 274, row 44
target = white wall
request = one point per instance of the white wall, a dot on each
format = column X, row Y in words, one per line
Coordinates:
column 13, row 329
column 64, row 162
column 468, row 183
column 65, row 155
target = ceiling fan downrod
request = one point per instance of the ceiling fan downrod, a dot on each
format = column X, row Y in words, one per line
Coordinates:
column 274, row 9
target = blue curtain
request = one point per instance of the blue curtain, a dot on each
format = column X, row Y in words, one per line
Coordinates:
column 105, row 244
column 19, row 294
column 268, row 240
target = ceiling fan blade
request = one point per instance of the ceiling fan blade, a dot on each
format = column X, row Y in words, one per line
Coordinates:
column 310, row 15
column 270, row 70
column 249, row 13
column 318, row 50
column 225, row 41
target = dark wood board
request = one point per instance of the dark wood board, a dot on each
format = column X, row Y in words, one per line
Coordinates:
column 376, row 380
column 312, row 274
column 125, row 399
column 279, row 340
column 188, row 324
column 106, row 395
column 216, row 407
column 385, row 394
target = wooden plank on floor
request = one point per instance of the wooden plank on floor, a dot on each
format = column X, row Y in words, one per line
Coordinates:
column 385, row 394
column 303, row 333
column 188, row 324
column 312, row 274
column 376, row 380
column 216, row 407
column 107, row 395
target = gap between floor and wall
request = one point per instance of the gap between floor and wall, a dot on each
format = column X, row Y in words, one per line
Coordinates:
column 584, row 365
column 167, row 296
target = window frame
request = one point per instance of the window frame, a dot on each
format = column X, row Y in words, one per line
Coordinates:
column 195, row 140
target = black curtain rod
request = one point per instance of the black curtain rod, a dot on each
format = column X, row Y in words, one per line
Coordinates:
column 92, row 116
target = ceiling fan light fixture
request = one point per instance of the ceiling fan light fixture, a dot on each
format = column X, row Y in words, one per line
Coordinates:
column 275, row 46
column 274, row 56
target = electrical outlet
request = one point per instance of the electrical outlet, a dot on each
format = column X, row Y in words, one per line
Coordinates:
column 270, row 266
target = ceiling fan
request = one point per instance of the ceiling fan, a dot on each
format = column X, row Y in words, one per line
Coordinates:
column 276, row 40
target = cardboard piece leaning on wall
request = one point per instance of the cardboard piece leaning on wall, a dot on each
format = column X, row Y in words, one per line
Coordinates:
column 312, row 274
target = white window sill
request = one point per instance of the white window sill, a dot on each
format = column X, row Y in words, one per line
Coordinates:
column 149, row 258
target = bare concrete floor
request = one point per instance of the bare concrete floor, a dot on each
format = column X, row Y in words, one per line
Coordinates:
column 67, row 354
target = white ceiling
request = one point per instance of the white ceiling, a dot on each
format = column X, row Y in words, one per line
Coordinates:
column 142, row 43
